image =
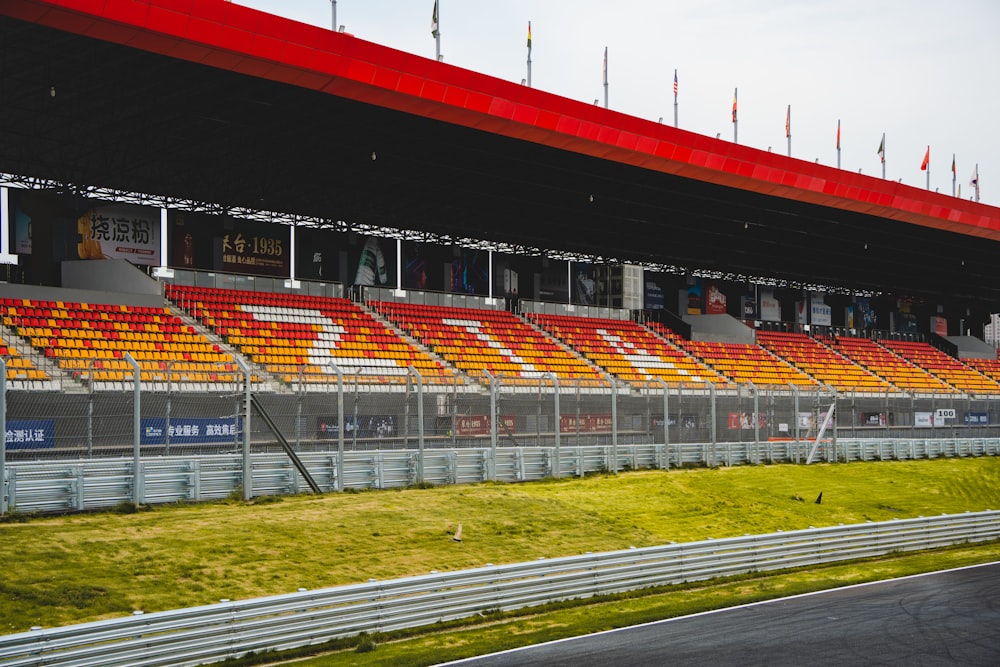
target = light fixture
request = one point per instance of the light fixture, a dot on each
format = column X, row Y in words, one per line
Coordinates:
column 374, row 157
column 52, row 91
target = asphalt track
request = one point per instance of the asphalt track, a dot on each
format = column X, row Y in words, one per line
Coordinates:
column 940, row 618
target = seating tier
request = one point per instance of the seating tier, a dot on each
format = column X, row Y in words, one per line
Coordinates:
column 476, row 340
column 299, row 337
column 626, row 349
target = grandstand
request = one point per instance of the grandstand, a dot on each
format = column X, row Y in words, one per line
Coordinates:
column 248, row 255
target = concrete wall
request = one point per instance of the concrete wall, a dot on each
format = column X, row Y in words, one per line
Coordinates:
column 719, row 329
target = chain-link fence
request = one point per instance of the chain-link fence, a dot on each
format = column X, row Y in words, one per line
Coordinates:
column 512, row 428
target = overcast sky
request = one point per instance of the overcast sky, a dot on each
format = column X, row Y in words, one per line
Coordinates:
column 924, row 72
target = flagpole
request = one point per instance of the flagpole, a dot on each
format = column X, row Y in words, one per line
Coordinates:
column 927, row 160
column 954, row 175
column 436, row 31
column 788, row 129
column 882, row 154
column 735, row 122
column 529, row 54
column 605, row 77
column 675, row 97
column 838, row 143
column 977, row 181
column 333, row 4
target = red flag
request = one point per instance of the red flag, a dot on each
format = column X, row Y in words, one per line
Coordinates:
column 734, row 105
column 927, row 160
column 788, row 121
column 838, row 135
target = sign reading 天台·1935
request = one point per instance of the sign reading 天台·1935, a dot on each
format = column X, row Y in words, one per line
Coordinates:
column 255, row 249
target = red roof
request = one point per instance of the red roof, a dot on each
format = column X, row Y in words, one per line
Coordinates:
column 240, row 39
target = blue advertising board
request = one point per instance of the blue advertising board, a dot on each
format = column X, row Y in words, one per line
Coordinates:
column 190, row 430
column 977, row 418
column 31, row 433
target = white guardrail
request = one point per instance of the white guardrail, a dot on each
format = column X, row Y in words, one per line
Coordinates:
column 213, row 633
column 91, row 484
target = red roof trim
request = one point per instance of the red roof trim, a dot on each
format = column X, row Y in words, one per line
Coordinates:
column 237, row 38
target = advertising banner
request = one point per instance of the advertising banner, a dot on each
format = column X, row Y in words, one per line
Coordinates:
column 588, row 423
column 480, row 424
column 120, row 231
column 977, row 418
column 361, row 426
column 715, row 300
column 820, row 314
column 254, row 248
column 744, row 420
column 31, row 433
column 694, row 300
column 939, row 325
column 191, row 430
column 770, row 308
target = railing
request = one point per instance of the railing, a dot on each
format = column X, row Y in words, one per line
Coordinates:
column 91, row 484
column 216, row 632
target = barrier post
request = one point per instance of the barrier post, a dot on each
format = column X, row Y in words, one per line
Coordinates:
column 420, row 423
column 491, row 471
column 247, row 467
column 557, row 464
column 3, row 436
column 137, row 483
column 340, row 425
column 666, row 421
column 614, row 422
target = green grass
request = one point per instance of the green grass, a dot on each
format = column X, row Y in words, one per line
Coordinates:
column 84, row 567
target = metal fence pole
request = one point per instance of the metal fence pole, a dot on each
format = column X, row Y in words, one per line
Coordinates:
column 166, row 425
column 137, row 494
column 715, row 435
column 557, row 464
column 666, row 421
column 795, row 417
column 3, row 436
column 420, row 423
column 340, row 425
column 491, row 472
column 756, row 422
column 247, row 467
column 614, row 422
column 90, row 409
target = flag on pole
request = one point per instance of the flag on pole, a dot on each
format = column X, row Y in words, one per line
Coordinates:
column 735, row 90
column 529, row 37
column 881, row 149
column 838, row 134
column 434, row 20
column 788, row 121
column 953, row 171
column 605, row 65
column 927, row 160
column 675, row 83
column 974, row 181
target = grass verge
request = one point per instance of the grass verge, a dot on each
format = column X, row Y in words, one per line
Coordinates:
column 84, row 567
